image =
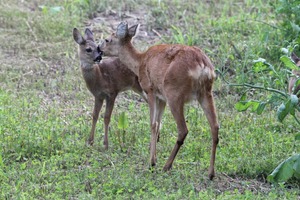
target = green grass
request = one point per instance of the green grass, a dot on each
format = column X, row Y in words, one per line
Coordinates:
column 45, row 108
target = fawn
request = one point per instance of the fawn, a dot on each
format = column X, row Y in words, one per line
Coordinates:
column 173, row 74
column 296, row 74
column 105, row 79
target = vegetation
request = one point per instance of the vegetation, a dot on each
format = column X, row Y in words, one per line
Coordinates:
column 45, row 108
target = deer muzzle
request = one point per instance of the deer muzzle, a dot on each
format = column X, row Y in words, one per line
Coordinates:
column 98, row 56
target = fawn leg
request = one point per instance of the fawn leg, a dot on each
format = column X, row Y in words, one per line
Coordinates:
column 97, row 107
column 110, row 101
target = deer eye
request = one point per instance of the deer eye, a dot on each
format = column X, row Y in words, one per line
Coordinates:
column 89, row 50
column 107, row 40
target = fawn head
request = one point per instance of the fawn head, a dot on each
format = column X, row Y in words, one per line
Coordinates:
column 123, row 34
column 88, row 51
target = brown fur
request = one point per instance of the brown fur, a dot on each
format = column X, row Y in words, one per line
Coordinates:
column 173, row 74
column 105, row 80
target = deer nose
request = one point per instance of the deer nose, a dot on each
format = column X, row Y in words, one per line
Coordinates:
column 99, row 57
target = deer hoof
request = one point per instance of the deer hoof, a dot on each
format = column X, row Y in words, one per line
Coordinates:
column 211, row 176
column 90, row 142
column 167, row 168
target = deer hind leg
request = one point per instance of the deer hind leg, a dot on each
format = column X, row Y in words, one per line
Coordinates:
column 154, row 106
column 161, row 108
column 207, row 103
column 178, row 114
column 110, row 101
column 97, row 107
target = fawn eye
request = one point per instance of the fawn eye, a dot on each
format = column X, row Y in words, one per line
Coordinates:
column 106, row 40
column 89, row 50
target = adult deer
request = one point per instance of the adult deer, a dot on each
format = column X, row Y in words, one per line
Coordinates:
column 105, row 79
column 296, row 76
column 173, row 74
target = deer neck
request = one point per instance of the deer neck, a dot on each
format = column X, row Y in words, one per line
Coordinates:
column 91, row 72
column 86, row 63
column 130, row 57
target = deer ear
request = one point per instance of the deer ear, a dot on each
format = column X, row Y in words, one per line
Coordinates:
column 77, row 37
column 133, row 30
column 122, row 30
column 89, row 34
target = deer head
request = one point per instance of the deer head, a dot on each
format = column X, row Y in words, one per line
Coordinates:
column 110, row 46
column 88, row 50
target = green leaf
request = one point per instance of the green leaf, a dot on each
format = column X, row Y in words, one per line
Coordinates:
column 296, row 167
column 262, row 65
column 242, row 105
column 123, row 121
column 297, row 137
column 44, row 9
column 294, row 100
column 258, row 66
column 254, row 105
column 295, row 27
column 261, row 108
column 257, row 106
column 243, row 97
column 282, row 112
column 288, row 62
column 285, row 170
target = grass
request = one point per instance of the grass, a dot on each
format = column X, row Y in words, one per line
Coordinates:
column 45, row 108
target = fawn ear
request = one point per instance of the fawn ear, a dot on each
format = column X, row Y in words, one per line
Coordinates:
column 77, row 37
column 89, row 34
column 122, row 30
column 133, row 30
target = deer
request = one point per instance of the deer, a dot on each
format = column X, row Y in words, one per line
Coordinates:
column 105, row 79
column 172, row 74
column 296, row 73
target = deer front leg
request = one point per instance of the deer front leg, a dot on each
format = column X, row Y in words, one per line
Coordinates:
column 110, row 101
column 97, row 107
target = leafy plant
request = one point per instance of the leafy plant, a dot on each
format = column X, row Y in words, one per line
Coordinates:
column 291, row 18
column 122, row 126
column 287, row 105
column 286, row 170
